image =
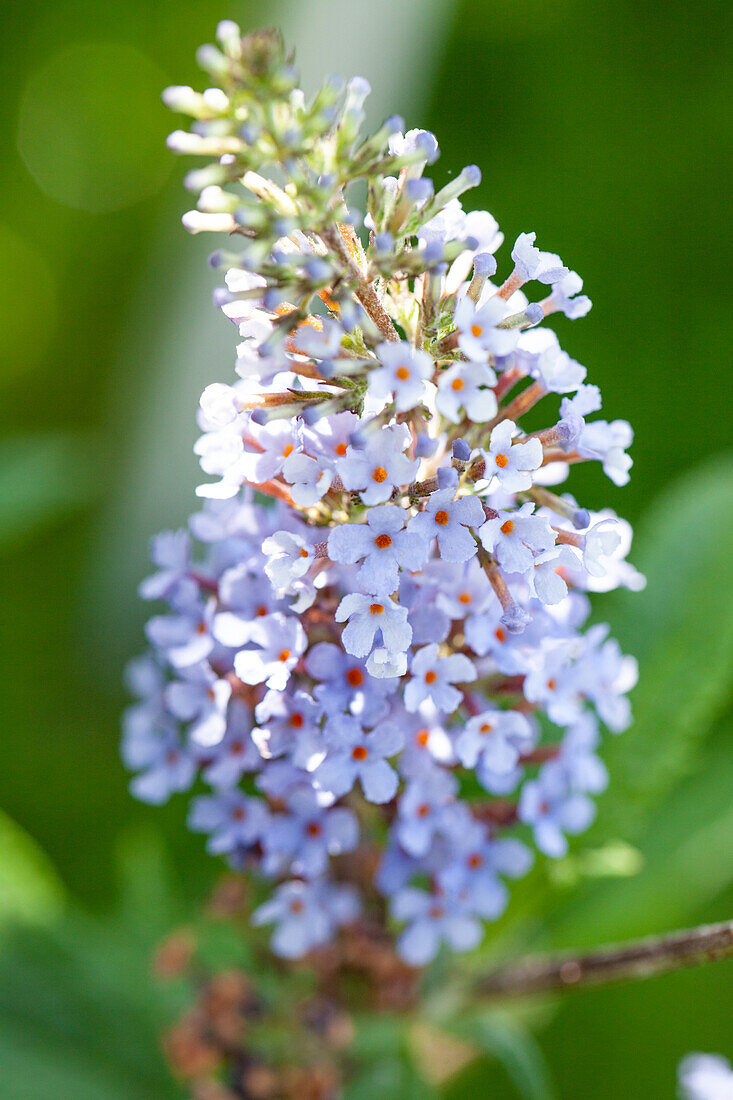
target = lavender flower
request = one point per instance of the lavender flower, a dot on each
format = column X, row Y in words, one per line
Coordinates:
column 408, row 616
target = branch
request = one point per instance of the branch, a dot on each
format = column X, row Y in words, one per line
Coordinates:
column 639, row 959
column 364, row 289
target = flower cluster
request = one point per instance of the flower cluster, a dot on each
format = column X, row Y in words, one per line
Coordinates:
column 388, row 653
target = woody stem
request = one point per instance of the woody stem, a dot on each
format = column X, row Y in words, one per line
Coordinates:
column 638, row 959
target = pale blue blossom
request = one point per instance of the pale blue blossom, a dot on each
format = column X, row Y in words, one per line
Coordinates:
column 448, row 521
column 382, row 545
column 378, row 467
column 433, row 678
column 355, row 754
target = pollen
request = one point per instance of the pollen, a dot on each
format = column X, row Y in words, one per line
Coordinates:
column 464, row 598
column 304, row 553
column 422, row 737
column 431, row 676
column 486, row 727
column 477, row 330
column 284, row 655
column 379, row 474
column 359, row 752
column 508, row 527
column 501, row 461
column 442, row 517
column 341, row 449
column 500, row 634
column 457, row 384
column 376, row 608
column 382, row 542
column 288, row 450
column 402, row 373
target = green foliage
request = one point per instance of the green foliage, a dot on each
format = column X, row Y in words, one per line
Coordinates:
column 501, row 1038
column 79, row 1009
column 30, row 890
column 43, row 478
column 681, row 629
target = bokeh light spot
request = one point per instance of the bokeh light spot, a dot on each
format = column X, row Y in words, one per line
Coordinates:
column 91, row 128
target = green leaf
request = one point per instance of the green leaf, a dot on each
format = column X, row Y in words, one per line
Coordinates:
column 391, row 1078
column 504, row 1040
column 80, row 1012
column 681, row 628
column 30, row 890
column 42, row 479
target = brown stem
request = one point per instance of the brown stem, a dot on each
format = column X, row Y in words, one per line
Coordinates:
column 364, row 289
column 638, row 959
column 522, row 403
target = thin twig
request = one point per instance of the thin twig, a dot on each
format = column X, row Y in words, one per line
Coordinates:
column 638, row 959
column 364, row 290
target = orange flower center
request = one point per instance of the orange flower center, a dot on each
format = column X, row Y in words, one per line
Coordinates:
column 288, row 450
column 360, row 752
column 442, row 517
column 508, row 527
column 457, row 384
column 261, row 610
column 422, row 737
column 423, row 810
column 379, row 474
column 477, row 330
column 237, row 748
column 474, row 861
column 402, row 373
column 341, row 449
column 296, row 721
column 376, row 608
column 313, row 829
column 296, row 906
column 502, row 461
column 551, row 685
column 464, row 597
column 382, row 542
column 355, row 677
column 304, row 553
column 430, row 676
column 486, row 727
column 284, row 655
column 500, row 634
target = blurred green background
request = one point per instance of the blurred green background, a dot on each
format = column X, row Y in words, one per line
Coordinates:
column 602, row 127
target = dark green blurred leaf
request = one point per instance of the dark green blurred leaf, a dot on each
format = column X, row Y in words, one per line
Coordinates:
column 79, row 1009
column 391, row 1078
column 681, row 628
column 504, row 1040
column 42, row 479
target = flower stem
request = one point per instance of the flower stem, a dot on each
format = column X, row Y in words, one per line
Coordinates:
column 638, row 959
